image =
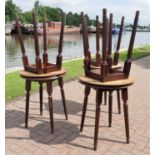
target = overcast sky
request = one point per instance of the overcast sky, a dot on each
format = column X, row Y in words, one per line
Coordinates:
column 94, row 7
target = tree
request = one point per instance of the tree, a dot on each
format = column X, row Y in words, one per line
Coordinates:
column 73, row 19
column 76, row 19
column 52, row 14
column 69, row 19
column 28, row 16
column 11, row 10
column 7, row 18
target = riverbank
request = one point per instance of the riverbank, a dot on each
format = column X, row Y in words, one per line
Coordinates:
column 15, row 85
column 72, row 46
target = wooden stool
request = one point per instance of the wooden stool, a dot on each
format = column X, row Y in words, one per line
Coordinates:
column 95, row 63
column 42, row 71
column 101, row 87
column 47, row 78
column 106, row 78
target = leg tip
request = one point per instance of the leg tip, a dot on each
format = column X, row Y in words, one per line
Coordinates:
column 66, row 117
column 95, row 148
column 128, row 141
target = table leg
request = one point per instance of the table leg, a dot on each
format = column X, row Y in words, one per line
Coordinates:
column 97, row 116
column 105, row 97
column 49, row 91
column 28, row 88
column 86, row 92
column 60, row 81
column 118, row 102
column 110, row 108
column 126, row 118
column 41, row 97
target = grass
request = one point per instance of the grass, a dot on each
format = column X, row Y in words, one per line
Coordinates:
column 137, row 53
column 15, row 85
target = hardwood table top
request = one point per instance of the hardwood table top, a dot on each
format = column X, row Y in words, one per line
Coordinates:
column 30, row 75
column 114, row 84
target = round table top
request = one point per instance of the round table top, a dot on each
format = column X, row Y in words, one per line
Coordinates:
column 26, row 74
column 113, row 66
column 109, row 84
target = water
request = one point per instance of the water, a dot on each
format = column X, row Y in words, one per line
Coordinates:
column 73, row 46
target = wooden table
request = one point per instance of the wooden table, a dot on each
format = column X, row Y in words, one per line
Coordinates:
column 101, row 87
column 47, row 78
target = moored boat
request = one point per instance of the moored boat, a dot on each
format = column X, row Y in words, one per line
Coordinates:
column 115, row 31
column 91, row 29
column 54, row 28
column 67, row 30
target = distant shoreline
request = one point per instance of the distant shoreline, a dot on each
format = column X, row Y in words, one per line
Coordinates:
column 140, row 30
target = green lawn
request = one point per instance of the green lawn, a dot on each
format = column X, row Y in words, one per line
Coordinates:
column 15, row 86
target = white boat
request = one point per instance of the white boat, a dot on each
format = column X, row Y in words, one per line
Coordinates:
column 91, row 29
column 8, row 28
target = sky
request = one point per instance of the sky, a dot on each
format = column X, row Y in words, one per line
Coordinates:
column 119, row 8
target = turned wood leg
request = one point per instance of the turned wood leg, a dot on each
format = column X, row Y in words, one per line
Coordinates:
column 86, row 92
column 41, row 97
column 28, row 88
column 110, row 108
column 97, row 116
column 126, row 118
column 118, row 101
column 105, row 98
column 60, row 81
column 49, row 91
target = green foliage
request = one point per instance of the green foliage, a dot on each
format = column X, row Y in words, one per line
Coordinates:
column 11, row 10
column 92, row 22
column 76, row 19
column 15, row 85
column 72, row 19
column 74, row 69
column 52, row 14
column 28, row 16
column 137, row 53
column 7, row 18
column 69, row 19
column 138, row 26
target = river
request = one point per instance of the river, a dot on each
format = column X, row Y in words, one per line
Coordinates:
column 73, row 46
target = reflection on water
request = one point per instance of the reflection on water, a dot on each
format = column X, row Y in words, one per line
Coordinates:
column 72, row 47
